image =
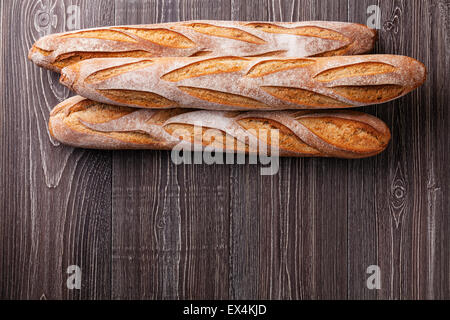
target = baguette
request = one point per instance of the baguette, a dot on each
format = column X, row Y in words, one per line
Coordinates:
column 195, row 38
column 237, row 83
column 83, row 123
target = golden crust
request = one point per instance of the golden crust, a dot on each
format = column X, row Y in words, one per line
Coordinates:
column 236, row 83
column 83, row 123
column 194, row 38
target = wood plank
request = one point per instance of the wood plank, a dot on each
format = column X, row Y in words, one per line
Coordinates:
column 288, row 233
column 57, row 200
column 362, row 197
column 407, row 198
column 431, row 118
column 441, row 130
column 330, row 212
column 254, row 214
column 395, row 186
column 2, row 78
column 3, row 197
column 170, row 223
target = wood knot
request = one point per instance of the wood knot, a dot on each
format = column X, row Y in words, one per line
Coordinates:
column 393, row 25
column 398, row 196
column 44, row 18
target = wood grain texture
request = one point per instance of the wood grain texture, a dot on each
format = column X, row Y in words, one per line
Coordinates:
column 265, row 229
column 362, row 237
column 404, row 225
column 56, row 202
column 141, row 227
column 170, row 224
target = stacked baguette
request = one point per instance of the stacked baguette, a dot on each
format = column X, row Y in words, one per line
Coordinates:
column 143, row 86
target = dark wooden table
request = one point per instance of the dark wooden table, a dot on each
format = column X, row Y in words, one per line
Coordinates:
column 139, row 226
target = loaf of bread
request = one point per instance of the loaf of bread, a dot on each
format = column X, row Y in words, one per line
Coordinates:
column 237, row 83
column 204, row 38
column 84, row 123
